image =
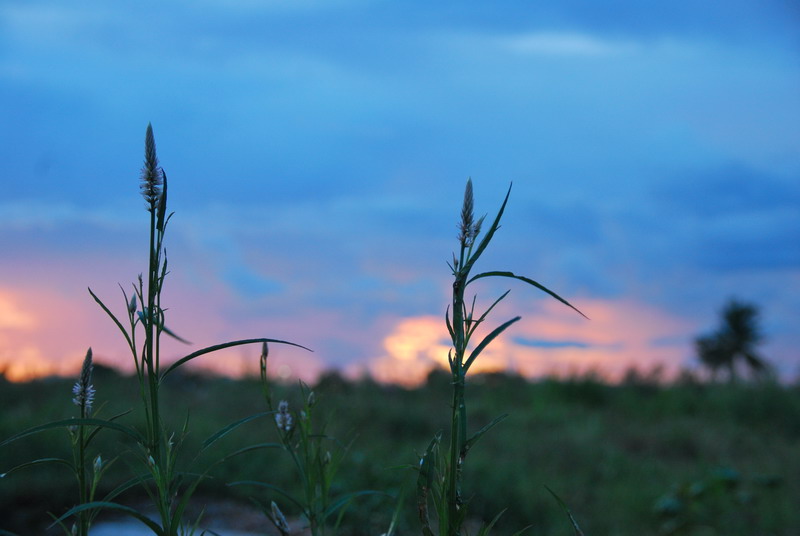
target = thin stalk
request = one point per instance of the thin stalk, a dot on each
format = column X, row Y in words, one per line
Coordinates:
column 152, row 373
column 83, row 520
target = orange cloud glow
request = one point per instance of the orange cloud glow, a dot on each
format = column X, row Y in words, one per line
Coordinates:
column 552, row 340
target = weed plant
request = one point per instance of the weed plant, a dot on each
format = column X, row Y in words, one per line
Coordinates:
column 315, row 457
column 440, row 476
column 630, row 454
column 158, row 449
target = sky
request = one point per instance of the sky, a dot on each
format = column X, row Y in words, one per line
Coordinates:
column 317, row 153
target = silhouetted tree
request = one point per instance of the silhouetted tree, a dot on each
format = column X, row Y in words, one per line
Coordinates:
column 734, row 342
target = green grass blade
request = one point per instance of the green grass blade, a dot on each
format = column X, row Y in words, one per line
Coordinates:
column 276, row 489
column 480, row 320
column 346, row 499
column 251, row 448
column 530, row 282
column 477, row 435
column 449, row 325
column 169, row 332
column 427, row 468
column 76, row 422
column 486, row 529
column 36, row 462
column 111, row 315
column 487, row 237
column 486, row 340
column 222, row 346
column 152, row 525
column 125, row 486
column 177, row 514
column 114, row 418
column 230, row 428
column 578, row 531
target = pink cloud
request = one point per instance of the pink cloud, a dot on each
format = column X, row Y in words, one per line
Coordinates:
column 621, row 335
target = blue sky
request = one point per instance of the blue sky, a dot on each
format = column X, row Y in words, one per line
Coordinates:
column 317, row 154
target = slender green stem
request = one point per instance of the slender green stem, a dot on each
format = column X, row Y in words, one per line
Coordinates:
column 83, row 520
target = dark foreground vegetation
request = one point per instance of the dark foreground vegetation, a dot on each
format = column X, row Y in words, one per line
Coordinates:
column 633, row 459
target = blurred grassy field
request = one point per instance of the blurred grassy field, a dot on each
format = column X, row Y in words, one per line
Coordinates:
column 633, row 459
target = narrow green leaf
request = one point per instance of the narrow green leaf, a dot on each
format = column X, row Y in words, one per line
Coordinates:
column 177, row 514
column 477, row 435
column 111, row 315
column 424, row 482
column 578, row 531
column 169, row 332
column 489, row 310
column 251, row 448
column 222, row 346
column 114, row 418
column 125, row 486
column 162, row 203
column 449, row 325
column 276, row 489
column 530, row 282
column 487, row 237
column 36, row 462
column 231, row 427
column 347, row 498
column 76, row 422
column 486, row 340
column 487, row 529
column 480, row 320
column 152, row 525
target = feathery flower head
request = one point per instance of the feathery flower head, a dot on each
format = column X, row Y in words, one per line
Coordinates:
column 468, row 228
column 83, row 389
column 264, row 355
column 283, row 418
column 151, row 172
column 279, row 519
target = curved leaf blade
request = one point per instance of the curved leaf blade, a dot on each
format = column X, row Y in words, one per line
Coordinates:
column 40, row 461
column 578, row 531
column 524, row 279
column 477, row 435
column 76, row 422
column 216, row 347
column 152, row 525
column 486, row 340
column 111, row 315
column 347, row 498
column 276, row 489
column 230, row 428
column 488, row 236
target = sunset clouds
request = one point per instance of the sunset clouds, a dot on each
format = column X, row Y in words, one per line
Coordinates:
column 317, row 154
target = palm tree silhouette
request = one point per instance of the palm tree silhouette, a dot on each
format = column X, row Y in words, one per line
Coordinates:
column 734, row 342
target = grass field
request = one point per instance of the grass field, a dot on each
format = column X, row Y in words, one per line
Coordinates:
column 633, row 459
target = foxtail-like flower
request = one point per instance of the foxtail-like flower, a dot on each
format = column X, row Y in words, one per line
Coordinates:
column 83, row 389
column 152, row 180
column 468, row 228
column 283, row 418
column 279, row 519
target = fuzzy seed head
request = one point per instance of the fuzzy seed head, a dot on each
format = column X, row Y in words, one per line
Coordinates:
column 279, row 519
column 83, row 389
column 264, row 356
column 467, row 215
column 152, row 181
column 283, row 418
column 468, row 228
